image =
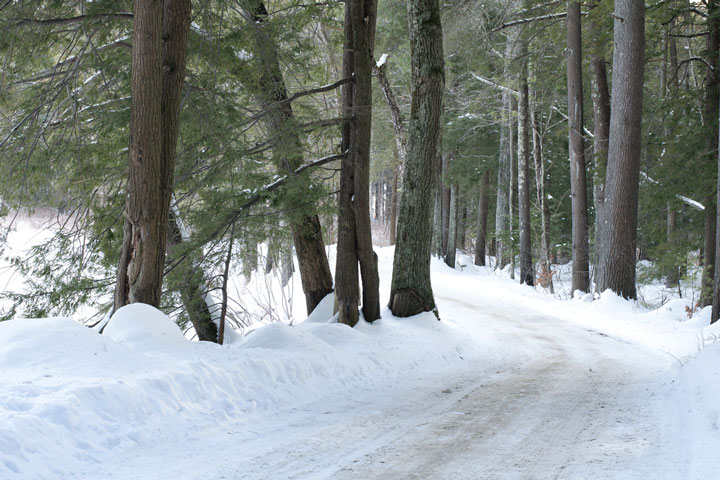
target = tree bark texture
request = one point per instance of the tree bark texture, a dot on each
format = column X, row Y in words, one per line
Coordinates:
column 481, row 237
column 527, row 274
column 360, row 16
column 160, row 34
column 287, row 155
column 623, row 170
column 578, row 185
column 411, row 290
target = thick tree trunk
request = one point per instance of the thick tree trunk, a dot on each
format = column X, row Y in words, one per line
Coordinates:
column 360, row 18
column 287, row 154
column 347, row 288
column 578, row 185
column 364, row 31
column 411, row 290
column 712, row 106
column 623, row 170
column 545, row 277
column 450, row 251
column 527, row 274
column 160, row 34
column 481, row 237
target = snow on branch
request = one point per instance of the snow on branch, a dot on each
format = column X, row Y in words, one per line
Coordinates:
column 683, row 198
column 493, row 84
column 521, row 21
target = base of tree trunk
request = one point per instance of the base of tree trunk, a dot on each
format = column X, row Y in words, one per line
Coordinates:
column 347, row 312
column 406, row 303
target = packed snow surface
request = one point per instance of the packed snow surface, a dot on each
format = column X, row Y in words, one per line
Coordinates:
column 512, row 383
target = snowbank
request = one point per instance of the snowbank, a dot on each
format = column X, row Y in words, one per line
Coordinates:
column 70, row 398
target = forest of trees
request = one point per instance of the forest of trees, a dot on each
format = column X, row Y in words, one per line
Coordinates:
column 175, row 138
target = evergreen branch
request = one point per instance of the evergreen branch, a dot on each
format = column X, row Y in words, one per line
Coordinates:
column 70, row 20
column 298, row 95
column 253, row 199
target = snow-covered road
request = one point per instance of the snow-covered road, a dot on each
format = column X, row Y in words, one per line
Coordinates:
column 561, row 402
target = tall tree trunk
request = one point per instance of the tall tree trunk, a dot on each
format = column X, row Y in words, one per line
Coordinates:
column 712, row 106
column 462, row 225
column 672, row 277
column 160, row 34
column 280, row 121
column 393, row 206
column 527, row 274
column 360, row 16
column 347, row 288
column 540, row 181
column 450, row 251
column 364, row 32
column 411, row 290
column 601, row 119
column 511, row 199
column 502, row 235
column 623, row 170
column 578, row 185
column 446, row 194
column 481, row 237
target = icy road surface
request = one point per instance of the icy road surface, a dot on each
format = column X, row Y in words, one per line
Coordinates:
column 555, row 401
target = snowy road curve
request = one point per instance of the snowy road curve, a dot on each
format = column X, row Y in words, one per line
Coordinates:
column 564, row 402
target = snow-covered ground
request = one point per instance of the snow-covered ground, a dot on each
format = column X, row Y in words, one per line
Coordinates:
column 511, row 383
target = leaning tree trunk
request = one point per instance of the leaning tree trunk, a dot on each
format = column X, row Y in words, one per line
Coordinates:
column 623, row 170
column 481, row 237
column 193, row 289
column 578, row 186
column 527, row 275
column 411, row 290
column 712, row 105
column 158, row 70
column 287, row 155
